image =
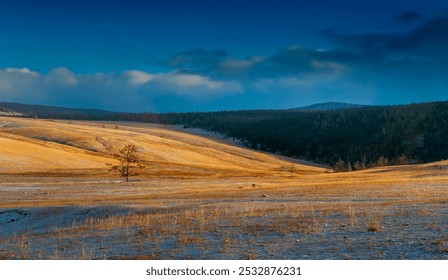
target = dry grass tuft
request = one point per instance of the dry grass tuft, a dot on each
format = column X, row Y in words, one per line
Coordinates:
column 352, row 220
column 374, row 223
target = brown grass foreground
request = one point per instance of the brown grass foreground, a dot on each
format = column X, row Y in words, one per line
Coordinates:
column 202, row 198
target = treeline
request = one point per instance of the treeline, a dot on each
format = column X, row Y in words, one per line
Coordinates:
column 347, row 139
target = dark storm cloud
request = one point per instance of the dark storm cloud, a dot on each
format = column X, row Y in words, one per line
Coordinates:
column 291, row 60
column 418, row 53
column 421, row 46
column 411, row 64
column 197, row 59
column 428, row 39
column 424, row 43
column 369, row 67
column 407, row 17
column 361, row 48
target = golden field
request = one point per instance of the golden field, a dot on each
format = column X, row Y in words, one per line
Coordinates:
column 201, row 197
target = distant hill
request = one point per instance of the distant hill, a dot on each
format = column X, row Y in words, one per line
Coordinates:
column 18, row 109
column 327, row 106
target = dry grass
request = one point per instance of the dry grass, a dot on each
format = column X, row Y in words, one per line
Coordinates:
column 353, row 221
column 236, row 232
column 86, row 254
column 374, row 225
column 203, row 198
column 374, row 222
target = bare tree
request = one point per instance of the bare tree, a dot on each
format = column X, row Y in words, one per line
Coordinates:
column 129, row 160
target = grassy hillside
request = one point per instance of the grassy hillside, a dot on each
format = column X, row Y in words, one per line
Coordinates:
column 39, row 145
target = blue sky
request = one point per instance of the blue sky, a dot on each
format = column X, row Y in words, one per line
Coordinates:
column 173, row 55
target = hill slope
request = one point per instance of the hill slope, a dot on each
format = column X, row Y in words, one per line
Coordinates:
column 39, row 145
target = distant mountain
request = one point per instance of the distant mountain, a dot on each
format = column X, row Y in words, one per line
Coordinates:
column 327, row 106
column 18, row 109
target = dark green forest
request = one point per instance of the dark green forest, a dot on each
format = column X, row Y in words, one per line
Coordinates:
column 346, row 139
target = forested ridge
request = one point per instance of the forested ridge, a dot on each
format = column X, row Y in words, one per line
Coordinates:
column 347, row 139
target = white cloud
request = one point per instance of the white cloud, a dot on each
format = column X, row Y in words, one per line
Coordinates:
column 106, row 90
column 138, row 78
column 60, row 77
column 136, row 90
column 21, row 71
column 18, row 81
column 188, row 81
column 192, row 84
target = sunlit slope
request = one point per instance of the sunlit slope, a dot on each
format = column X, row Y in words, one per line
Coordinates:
column 30, row 145
column 22, row 155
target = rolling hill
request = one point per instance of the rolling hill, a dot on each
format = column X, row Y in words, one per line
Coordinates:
column 29, row 145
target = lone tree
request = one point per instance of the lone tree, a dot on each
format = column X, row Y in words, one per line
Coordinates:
column 129, row 160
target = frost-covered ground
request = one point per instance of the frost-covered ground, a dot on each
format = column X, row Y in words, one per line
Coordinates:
column 263, row 227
